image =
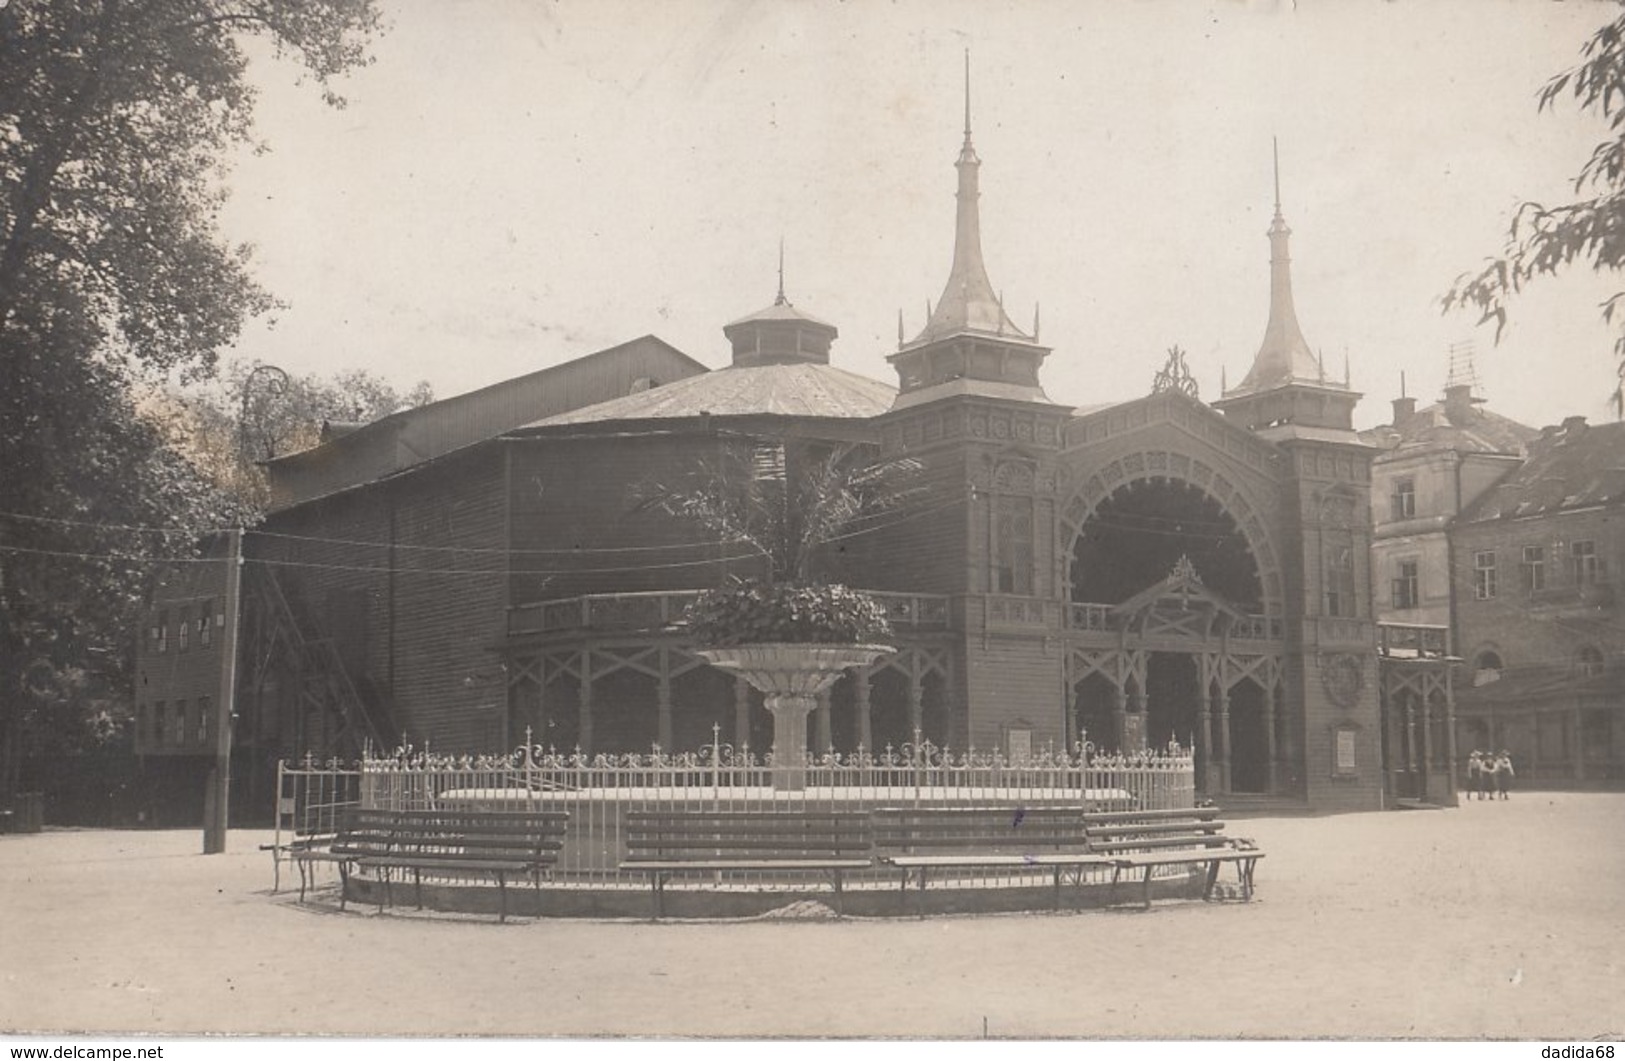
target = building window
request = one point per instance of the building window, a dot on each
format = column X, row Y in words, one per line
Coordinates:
column 1013, row 557
column 1484, row 576
column 203, row 709
column 160, row 638
column 1583, row 560
column 1534, row 568
column 1589, row 661
column 177, row 725
column 205, row 624
column 183, row 632
column 1340, row 582
column 1404, row 498
column 1487, row 668
column 1406, row 594
column 160, row 720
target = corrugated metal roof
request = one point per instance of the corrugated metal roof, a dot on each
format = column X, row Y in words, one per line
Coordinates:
column 812, row 390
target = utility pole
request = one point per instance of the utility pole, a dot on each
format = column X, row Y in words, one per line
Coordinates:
column 216, row 797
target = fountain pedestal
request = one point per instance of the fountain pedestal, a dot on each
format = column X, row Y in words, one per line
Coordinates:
column 790, row 676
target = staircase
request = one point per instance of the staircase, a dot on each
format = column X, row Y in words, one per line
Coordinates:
column 324, row 679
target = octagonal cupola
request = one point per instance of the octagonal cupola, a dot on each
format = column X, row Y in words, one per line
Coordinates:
column 780, row 334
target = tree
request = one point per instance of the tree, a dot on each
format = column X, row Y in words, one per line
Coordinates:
column 254, row 412
column 785, row 501
column 115, row 119
column 1545, row 240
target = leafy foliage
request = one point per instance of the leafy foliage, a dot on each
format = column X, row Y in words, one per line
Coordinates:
column 755, row 612
column 787, row 499
column 255, row 412
column 1545, row 240
column 115, row 116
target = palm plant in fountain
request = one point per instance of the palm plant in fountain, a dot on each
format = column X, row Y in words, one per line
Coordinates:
column 790, row 632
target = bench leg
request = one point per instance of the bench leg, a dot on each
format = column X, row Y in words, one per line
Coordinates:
column 387, row 896
column 838, row 894
column 1145, row 889
column 417, row 886
column 1212, row 879
column 902, row 891
column 658, row 879
column 301, row 881
column 1111, row 894
column 502, row 893
column 1057, row 888
column 1244, row 870
column 344, row 883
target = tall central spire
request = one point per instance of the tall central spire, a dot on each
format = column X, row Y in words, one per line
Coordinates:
column 1284, row 356
column 968, row 301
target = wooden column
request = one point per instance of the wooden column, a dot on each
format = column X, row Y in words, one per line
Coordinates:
column 1269, row 730
column 1576, row 722
column 1424, row 744
column 1224, row 740
column 584, row 730
column 741, row 714
column 663, row 705
column 916, row 708
column 866, row 733
column 1204, row 739
column 1120, row 720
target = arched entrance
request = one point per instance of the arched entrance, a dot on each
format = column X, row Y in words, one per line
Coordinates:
column 1168, row 626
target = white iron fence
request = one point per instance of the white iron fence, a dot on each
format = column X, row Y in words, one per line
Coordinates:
column 597, row 791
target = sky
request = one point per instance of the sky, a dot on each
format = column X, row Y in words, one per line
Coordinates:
column 515, row 183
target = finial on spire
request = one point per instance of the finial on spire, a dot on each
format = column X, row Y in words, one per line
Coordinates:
column 899, row 327
column 1275, row 151
column 1402, row 393
column 967, row 95
column 1035, row 322
column 1224, row 380
column 780, row 300
column 1345, row 366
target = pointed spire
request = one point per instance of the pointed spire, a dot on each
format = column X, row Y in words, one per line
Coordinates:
column 1035, row 322
column 968, row 301
column 1284, row 356
column 899, row 327
column 967, row 95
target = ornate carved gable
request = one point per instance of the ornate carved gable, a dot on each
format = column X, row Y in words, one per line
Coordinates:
column 1205, row 426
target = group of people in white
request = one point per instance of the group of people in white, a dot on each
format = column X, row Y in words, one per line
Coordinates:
column 1489, row 775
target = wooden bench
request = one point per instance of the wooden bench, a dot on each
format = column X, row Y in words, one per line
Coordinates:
column 1144, row 840
column 663, row 843
column 917, row 840
column 357, row 834
column 499, row 843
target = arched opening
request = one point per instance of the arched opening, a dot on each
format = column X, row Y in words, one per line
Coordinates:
column 1137, row 535
column 1249, row 739
column 1096, row 701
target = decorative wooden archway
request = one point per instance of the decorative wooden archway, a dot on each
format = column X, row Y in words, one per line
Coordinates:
column 1182, row 616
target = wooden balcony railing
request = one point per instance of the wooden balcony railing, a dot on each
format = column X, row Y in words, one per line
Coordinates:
column 1413, row 641
column 655, row 611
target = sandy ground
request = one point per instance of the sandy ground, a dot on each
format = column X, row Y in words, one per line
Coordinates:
column 1500, row 920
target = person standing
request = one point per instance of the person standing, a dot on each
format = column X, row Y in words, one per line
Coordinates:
column 1503, row 773
column 1475, row 770
column 1487, row 774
